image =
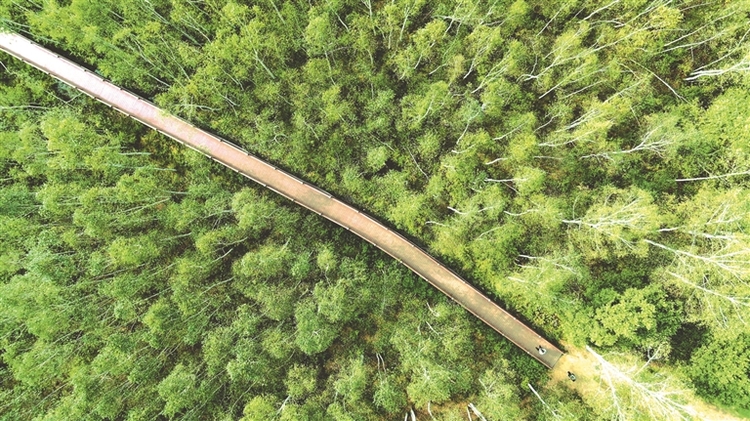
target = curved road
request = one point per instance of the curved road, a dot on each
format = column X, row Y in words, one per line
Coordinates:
column 288, row 186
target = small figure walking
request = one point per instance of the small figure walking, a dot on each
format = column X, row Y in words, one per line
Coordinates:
column 541, row 350
column 571, row 376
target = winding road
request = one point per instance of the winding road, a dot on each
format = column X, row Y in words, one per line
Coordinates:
column 289, row 186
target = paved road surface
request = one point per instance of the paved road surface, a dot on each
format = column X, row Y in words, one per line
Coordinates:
column 288, row 186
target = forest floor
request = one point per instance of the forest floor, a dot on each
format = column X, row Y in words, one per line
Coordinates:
column 589, row 382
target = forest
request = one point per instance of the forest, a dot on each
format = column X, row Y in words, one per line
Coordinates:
column 585, row 163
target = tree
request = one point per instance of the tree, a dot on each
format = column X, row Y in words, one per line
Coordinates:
column 301, row 381
column 259, row 408
column 646, row 318
column 336, row 302
column 710, row 256
column 134, row 252
column 418, row 108
column 498, row 397
column 15, row 229
column 719, row 369
column 314, row 333
column 410, row 213
column 616, row 223
column 320, row 35
column 395, row 18
column 720, row 132
column 659, row 139
column 431, row 343
column 431, row 384
column 388, row 395
column 31, row 299
column 42, row 365
column 543, row 278
column 179, row 390
column 277, row 342
column 165, row 324
column 263, row 265
column 217, row 347
column 352, row 381
column 423, row 49
column 634, row 390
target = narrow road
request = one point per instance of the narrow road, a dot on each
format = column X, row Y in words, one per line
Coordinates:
column 289, row 186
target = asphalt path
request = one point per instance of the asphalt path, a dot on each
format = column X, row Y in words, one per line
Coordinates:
column 289, row 186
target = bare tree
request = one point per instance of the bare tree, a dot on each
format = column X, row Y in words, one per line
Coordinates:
column 557, row 412
column 620, row 221
column 654, row 141
column 634, row 391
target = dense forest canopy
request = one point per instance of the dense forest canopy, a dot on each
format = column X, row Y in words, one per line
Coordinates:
column 585, row 163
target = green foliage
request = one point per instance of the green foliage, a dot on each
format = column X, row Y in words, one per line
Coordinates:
column 314, row 333
column 618, row 221
column 645, row 318
column 586, row 163
column 498, row 398
column 389, row 396
column 178, row 390
column 259, row 408
column 435, row 351
column 352, row 380
column 263, row 265
column 300, row 381
column 719, row 369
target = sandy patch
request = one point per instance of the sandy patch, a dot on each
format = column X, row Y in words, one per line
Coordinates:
column 591, row 387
